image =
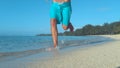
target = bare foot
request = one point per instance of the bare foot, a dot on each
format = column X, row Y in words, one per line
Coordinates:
column 52, row 48
column 71, row 27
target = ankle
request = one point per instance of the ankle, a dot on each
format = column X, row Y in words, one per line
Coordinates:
column 55, row 46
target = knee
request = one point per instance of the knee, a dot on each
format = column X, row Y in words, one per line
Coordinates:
column 65, row 27
column 53, row 22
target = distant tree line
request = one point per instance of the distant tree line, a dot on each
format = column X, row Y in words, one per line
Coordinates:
column 106, row 28
column 60, row 34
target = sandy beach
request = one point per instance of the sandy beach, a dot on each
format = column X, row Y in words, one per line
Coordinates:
column 105, row 55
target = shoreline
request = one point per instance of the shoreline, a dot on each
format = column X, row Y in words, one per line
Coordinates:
column 105, row 55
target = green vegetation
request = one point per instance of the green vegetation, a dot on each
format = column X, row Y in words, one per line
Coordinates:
column 113, row 28
column 106, row 28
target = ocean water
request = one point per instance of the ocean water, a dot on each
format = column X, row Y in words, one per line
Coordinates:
column 28, row 45
column 23, row 43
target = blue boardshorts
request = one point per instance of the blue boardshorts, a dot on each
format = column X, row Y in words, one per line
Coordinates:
column 61, row 12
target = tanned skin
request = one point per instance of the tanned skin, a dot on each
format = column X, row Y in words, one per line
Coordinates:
column 54, row 26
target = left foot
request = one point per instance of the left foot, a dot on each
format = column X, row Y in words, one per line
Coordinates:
column 71, row 27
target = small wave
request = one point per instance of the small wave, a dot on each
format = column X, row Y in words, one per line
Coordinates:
column 13, row 55
column 84, row 42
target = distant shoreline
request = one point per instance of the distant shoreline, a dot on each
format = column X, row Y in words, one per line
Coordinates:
column 105, row 29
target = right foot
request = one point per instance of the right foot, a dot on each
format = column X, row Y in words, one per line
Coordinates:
column 52, row 48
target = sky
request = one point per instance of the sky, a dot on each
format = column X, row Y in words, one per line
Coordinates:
column 31, row 17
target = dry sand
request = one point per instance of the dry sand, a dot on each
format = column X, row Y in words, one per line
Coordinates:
column 106, row 55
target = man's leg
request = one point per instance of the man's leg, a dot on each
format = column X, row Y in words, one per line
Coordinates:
column 66, row 14
column 54, row 32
